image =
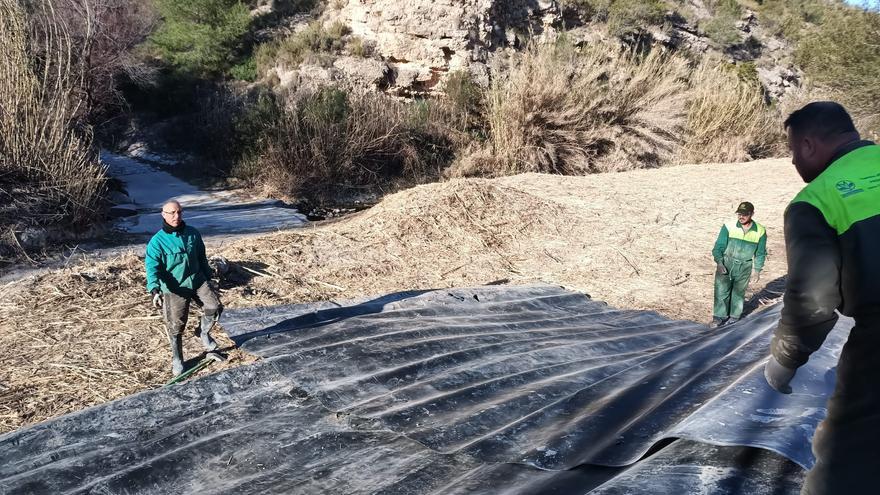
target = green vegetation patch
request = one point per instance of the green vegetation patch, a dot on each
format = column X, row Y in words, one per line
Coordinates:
column 200, row 37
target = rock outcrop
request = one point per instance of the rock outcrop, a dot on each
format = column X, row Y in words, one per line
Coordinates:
column 416, row 44
column 422, row 41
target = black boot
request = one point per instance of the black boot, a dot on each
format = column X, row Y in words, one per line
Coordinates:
column 177, row 354
column 205, row 333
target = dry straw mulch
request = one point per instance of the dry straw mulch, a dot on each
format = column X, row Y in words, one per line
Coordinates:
column 86, row 334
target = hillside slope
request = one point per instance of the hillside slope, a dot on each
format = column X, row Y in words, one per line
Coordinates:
column 86, row 334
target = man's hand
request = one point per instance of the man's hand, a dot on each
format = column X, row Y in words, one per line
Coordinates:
column 778, row 376
column 756, row 276
column 720, row 269
column 157, row 298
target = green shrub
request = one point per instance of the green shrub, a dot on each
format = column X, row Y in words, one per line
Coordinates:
column 466, row 98
column 327, row 105
column 789, row 17
column 721, row 27
column 265, row 56
column 842, row 55
column 747, row 72
column 314, row 39
column 357, row 47
column 630, row 16
column 624, row 17
column 245, row 70
column 200, row 37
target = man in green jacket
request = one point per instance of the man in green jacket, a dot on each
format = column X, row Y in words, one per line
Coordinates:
column 832, row 240
column 741, row 246
column 177, row 273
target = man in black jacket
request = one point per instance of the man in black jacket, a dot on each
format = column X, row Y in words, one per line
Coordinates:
column 832, row 241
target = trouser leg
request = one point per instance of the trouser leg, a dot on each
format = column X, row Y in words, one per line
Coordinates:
column 723, row 287
column 847, row 442
column 211, row 310
column 739, row 275
column 176, row 310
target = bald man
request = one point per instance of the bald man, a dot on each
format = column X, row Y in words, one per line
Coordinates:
column 177, row 273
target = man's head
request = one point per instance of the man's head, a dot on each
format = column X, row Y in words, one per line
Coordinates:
column 172, row 213
column 744, row 212
column 815, row 132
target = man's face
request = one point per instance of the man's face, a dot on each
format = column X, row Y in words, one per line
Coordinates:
column 805, row 156
column 172, row 213
column 744, row 218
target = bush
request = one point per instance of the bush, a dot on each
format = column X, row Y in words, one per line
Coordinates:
column 789, row 17
column 314, row 39
column 721, row 27
column 246, row 70
column 329, row 145
column 106, row 35
column 200, row 37
column 567, row 111
column 841, row 54
column 630, row 16
column 624, row 17
column 728, row 120
column 45, row 147
column 357, row 47
column 467, row 100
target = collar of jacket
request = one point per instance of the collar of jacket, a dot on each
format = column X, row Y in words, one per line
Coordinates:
column 753, row 227
column 169, row 229
column 846, row 148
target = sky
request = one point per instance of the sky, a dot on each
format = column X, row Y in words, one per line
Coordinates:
column 863, row 3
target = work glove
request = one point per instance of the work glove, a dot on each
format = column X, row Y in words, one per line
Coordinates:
column 778, row 376
column 756, row 276
column 720, row 270
column 157, row 298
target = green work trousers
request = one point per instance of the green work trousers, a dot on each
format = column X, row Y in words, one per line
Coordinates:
column 730, row 288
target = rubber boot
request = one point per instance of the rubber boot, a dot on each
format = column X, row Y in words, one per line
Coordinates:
column 177, row 355
column 205, row 333
column 716, row 322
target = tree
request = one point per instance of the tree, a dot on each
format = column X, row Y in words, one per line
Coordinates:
column 200, row 37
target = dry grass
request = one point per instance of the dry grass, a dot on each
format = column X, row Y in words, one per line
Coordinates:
column 82, row 336
column 573, row 111
column 727, row 119
column 86, row 334
column 43, row 147
column 330, row 144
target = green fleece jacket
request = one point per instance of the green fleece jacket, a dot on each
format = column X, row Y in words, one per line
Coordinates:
column 176, row 261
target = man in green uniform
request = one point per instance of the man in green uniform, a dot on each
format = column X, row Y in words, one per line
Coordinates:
column 177, row 273
column 741, row 247
column 832, row 240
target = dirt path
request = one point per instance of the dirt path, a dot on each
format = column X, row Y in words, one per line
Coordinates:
column 85, row 334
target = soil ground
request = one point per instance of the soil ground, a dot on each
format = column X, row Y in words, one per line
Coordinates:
column 86, row 334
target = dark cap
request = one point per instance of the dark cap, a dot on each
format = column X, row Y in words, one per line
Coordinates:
column 745, row 207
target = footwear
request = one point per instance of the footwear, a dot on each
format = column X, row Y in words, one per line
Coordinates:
column 204, row 332
column 731, row 321
column 716, row 322
column 177, row 355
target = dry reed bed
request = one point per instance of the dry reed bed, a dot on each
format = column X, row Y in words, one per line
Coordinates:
column 84, row 335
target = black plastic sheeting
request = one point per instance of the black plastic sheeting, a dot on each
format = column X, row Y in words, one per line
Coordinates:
column 490, row 390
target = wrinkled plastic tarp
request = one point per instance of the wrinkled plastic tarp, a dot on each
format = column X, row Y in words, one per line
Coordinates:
column 496, row 389
column 543, row 376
